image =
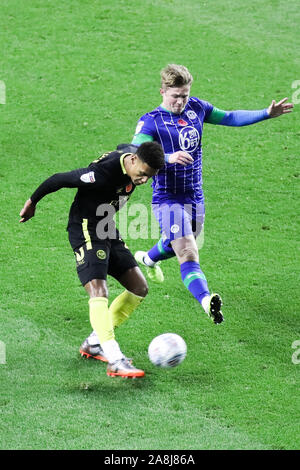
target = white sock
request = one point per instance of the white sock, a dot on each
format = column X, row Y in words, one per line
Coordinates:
column 148, row 261
column 93, row 339
column 112, row 350
column 205, row 302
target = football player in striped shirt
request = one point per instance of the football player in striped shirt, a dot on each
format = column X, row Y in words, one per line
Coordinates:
column 178, row 201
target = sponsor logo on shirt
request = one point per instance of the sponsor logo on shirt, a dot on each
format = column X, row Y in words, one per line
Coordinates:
column 182, row 122
column 189, row 139
column 88, row 177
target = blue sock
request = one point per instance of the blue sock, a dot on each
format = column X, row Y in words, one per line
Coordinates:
column 161, row 251
column 194, row 279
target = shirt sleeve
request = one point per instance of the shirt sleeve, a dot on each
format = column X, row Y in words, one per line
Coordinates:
column 141, row 138
column 82, row 177
column 145, row 130
column 236, row 118
column 207, row 107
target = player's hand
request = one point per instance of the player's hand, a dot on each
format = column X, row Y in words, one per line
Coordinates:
column 277, row 109
column 27, row 212
column 183, row 158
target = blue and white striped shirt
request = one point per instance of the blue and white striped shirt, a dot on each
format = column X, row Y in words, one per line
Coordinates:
column 183, row 131
column 177, row 132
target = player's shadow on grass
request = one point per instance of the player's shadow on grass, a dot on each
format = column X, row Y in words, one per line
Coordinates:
column 87, row 377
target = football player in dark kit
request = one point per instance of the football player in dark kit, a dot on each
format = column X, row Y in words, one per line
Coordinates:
column 103, row 187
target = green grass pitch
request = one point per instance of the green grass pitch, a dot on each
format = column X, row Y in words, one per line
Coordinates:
column 77, row 75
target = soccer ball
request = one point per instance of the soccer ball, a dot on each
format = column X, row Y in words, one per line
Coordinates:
column 167, row 350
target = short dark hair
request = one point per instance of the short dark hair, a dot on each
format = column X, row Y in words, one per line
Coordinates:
column 152, row 154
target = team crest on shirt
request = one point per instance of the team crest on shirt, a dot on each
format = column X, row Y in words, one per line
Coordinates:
column 189, row 139
column 191, row 114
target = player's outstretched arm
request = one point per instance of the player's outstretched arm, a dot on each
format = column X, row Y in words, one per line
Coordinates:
column 277, row 109
column 28, row 211
column 240, row 117
column 71, row 179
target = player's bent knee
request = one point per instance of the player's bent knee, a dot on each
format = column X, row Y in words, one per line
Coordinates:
column 134, row 281
column 187, row 254
column 185, row 249
column 141, row 289
column 97, row 288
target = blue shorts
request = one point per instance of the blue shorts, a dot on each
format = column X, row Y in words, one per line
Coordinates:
column 178, row 215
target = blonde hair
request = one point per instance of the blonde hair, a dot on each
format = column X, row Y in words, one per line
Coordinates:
column 175, row 76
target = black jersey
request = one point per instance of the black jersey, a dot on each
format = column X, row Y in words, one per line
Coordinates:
column 103, row 188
